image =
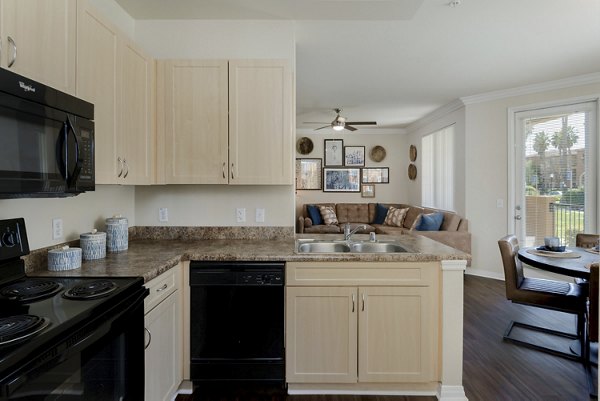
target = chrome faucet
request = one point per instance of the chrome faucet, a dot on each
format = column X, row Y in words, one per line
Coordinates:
column 348, row 232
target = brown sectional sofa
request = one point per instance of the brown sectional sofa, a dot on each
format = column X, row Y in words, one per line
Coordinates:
column 453, row 232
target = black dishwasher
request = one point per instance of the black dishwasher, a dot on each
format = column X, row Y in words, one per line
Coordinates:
column 237, row 321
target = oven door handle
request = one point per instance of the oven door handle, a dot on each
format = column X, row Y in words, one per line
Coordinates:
column 61, row 150
column 75, row 343
column 72, row 179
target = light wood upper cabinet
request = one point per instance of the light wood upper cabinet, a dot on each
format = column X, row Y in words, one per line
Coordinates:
column 321, row 335
column 192, row 122
column 136, row 114
column 260, row 122
column 224, row 122
column 38, row 40
column 97, row 54
column 118, row 78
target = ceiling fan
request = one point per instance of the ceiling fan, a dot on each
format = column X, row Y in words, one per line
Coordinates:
column 340, row 123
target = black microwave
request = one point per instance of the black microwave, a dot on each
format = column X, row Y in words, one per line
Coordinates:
column 46, row 140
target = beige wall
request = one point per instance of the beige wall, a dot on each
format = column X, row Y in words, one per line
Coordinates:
column 214, row 205
column 486, row 181
column 80, row 213
column 396, row 159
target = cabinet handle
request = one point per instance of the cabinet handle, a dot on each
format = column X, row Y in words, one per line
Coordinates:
column 232, row 176
column 149, row 338
column 126, row 168
column 164, row 287
column 224, row 164
column 352, row 303
column 363, row 301
column 120, row 165
column 14, row 53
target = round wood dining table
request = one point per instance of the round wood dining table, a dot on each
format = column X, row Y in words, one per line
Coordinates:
column 573, row 267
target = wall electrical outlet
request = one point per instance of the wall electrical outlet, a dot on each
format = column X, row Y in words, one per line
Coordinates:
column 57, row 228
column 240, row 214
column 499, row 203
column 163, row 214
column 260, row 215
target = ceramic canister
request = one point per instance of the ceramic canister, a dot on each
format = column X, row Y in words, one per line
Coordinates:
column 117, row 234
column 93, row 245
column 64, row 258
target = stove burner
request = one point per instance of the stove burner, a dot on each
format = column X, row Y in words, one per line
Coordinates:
column 91, row 290
column 20, row 327
column 30, row 290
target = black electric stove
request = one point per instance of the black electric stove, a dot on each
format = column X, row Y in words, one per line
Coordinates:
column 56, row 331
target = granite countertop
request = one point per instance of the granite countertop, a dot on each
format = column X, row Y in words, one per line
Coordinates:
column 149, row 258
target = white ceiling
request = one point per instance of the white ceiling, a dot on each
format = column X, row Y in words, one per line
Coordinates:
column 395, row 61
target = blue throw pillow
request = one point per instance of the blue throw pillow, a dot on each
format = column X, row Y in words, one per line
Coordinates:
column 315, row 214
column 430, row 222
column 380, row 213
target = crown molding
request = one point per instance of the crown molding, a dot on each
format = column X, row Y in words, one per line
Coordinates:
column 586, row 79
column 436, row 114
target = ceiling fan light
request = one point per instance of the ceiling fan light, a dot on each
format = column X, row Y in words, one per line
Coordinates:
column 337, row 125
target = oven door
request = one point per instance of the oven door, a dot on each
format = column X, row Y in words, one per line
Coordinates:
column 102, row 360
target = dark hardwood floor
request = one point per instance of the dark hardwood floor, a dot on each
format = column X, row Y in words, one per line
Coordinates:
column 493, row 370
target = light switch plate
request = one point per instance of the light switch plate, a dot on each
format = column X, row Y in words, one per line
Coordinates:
column 499, row 203
column 163, row 214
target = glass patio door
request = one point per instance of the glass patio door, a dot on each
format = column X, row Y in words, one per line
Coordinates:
column 555, row 173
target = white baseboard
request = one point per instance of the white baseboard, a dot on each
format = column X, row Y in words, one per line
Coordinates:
column 359, row 392
column 451, row 393
column 484, row 273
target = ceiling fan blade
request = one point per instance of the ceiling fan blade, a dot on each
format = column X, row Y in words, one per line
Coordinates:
column 362, row 122
column 350, row 128
column 327, row 126
column 314, row 122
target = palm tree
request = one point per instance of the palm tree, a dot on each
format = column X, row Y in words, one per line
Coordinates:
column 564, row 140
column 541, row 143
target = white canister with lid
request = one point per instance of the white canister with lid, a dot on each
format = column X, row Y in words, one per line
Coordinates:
column 93, row 245
column 64, row 258
column 117, row 234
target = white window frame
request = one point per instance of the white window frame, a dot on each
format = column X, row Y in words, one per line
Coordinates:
column 440, row 185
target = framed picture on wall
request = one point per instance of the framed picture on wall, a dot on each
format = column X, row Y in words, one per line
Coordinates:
column 354, row 156
column 380, row 175
column 308, row 174
column 368, row 191
column 341, row 179
column 334, row 152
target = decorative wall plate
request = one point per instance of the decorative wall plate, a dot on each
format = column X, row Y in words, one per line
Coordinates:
column 413, row 153
column 377, row 153
column 304, row 145
column 412, row 171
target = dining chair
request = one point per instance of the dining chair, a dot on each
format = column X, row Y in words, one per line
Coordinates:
column 541, row 293
column 592, row 327
column 583, row 240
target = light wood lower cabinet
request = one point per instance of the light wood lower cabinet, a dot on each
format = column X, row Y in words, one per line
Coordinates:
column 361, row 333
column 163, row 324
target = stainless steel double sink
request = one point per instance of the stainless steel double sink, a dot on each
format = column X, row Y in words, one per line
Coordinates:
column 340, row 246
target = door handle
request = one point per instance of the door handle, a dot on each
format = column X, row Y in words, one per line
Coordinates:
column 126, row 168
column 518, row 217
column 363, row 301
column 232, row 176
column 224, row 164
column 72, row 179
column 149, row 338
column 120, row 161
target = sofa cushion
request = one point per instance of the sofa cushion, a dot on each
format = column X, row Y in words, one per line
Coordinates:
column 315, row 214
column 380, row 213
column 411, row 216
column 352, row 213
column 451, row 222
column 328, row 215
column 323, row 229
column 308, row 222
column 395, row 217
column 430, row 222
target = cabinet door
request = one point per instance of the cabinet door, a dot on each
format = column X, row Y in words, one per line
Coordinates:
column 260, row 122
column 321, row 329
column 44, row 33
column 192, row 122
column 396, row 332
column 97, row 44
column 163, row 352
column 136, row 130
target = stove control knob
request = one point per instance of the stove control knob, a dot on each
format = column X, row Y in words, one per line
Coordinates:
column 9, row 239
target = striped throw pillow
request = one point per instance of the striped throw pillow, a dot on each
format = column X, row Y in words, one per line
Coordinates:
column 395, row 217
column 328, row 215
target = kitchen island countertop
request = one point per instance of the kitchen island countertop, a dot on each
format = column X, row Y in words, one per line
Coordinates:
column 150, row 258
